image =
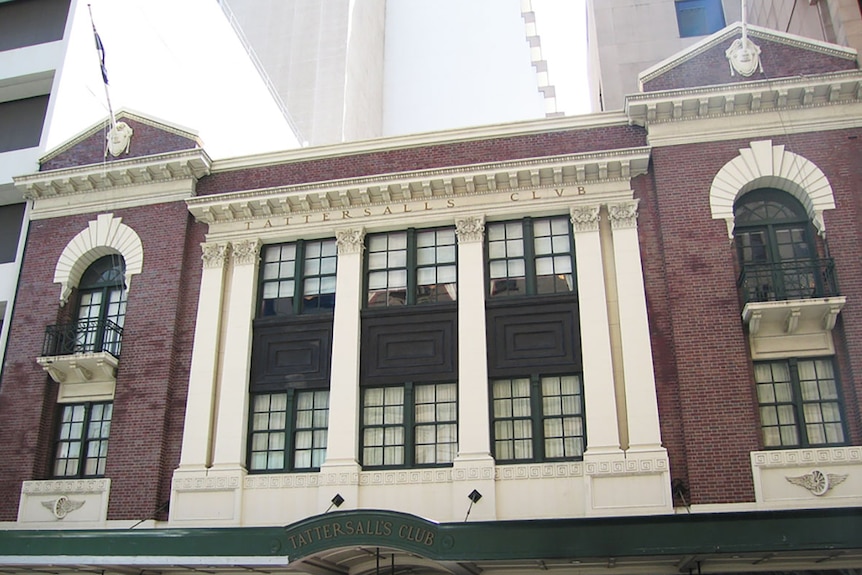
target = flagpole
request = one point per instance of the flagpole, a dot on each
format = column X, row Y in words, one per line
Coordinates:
column 100, row 53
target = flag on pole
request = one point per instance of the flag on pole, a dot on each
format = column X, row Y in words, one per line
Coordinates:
column 100, row 49
column 100, row 52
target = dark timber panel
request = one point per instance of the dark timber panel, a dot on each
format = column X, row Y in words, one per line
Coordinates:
column 291, row 353
column 524, row 337
column 418, row 345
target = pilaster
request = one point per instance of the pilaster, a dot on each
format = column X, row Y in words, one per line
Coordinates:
column 200, row 404
column 602, row 426
column 473, row 468
column 343, row 438
column 641, row 401
column 232, row 401
column 474, row 441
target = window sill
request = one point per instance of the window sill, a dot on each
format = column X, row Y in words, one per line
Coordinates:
column 792, row 328
column 82, row 377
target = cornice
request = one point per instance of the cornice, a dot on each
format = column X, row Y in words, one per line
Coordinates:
column 541, row 126
column 114, row 175
column 746, row 98
column 575, row 169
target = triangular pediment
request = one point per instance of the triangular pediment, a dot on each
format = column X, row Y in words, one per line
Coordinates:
column 781, row 55
column 150, row 137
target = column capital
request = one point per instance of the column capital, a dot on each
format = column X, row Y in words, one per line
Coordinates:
column 214, row 255
column 470, row 229
column 245, row 252
column 585, row 218
column 623, row 214
column 350, row 241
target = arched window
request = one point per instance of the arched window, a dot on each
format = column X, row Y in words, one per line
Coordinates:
column 101, row 306
column 775, row 243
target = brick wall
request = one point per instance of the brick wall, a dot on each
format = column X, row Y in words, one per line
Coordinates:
column 708, row 409
column 153, row 371
column 424, row 157
column 147, row 140
column 778, row 60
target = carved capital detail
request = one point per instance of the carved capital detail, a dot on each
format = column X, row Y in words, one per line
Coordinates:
column 350, row 241
column 245, row 252
column 215, row 255
column 623, row 215
column 470, row 229
column 585, row 218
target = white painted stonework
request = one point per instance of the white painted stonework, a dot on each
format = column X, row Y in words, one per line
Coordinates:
column 833, row 476
column 764, row 165
column 64, row 503
column 212, row 487
column 104, row 235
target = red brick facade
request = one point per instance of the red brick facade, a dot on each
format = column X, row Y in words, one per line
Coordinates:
column 709, row 412
column 703, row 369
column 779, row 60
column 153, row 372
column 148, row 139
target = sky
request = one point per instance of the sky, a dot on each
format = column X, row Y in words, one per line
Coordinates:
column 562, row 26
column 178, row 60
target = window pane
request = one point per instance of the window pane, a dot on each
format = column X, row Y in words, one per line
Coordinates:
column 383, row 430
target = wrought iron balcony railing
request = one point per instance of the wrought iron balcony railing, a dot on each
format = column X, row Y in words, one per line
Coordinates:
column 787, row 281
column 83, row 336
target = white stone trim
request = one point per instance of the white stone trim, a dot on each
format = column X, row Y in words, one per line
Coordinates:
column 470, row 229
column 478, row 180
column 784, row 478
column 105, row 235
column 350, row 241
column 765, row 165
column 813, row 456
column 57, row 502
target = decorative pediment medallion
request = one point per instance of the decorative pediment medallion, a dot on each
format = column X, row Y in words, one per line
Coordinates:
column 119, row 139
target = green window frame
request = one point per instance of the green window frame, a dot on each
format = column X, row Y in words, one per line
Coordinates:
column 800, row 403
column 532, row 256
column 298, row 278
column 409, row 425
column 288, row 431
column 538, row 418
column 411, row 267
column 101, row 307
column 81, row 449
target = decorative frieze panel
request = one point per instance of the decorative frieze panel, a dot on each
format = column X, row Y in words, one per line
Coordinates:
column 822, row 477
column 70, row 501
column 627, row 466
column 538, row 471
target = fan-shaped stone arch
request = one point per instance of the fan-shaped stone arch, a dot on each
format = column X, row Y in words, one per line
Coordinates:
column 766, row 166
column 103, row 236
